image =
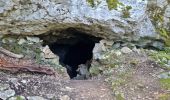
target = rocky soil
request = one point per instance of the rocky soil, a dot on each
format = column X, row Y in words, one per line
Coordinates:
column 136, row 78
column 117, row 72
column 42, row 87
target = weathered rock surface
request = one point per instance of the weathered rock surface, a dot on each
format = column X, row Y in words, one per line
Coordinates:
column 128, row 18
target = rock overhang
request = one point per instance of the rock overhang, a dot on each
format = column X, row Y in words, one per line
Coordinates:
column 36, row 17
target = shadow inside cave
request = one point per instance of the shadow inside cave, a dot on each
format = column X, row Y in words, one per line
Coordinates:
column 74, row 51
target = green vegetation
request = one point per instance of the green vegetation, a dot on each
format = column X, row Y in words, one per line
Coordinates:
column 32, row 50
column 157, row 14
column 165, row 35
column 113, row 4
column 125, row 11
column 119, row 97
column 95, row 70
column 165, row 83
column 19, row 98
column 164, row 96
column 161, row 57
column 91, row 3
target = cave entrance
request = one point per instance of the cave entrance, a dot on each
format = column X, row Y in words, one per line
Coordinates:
column 74, row 48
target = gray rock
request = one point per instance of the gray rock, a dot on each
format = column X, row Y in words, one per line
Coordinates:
column 37, row 17
column 6, row 94
column 158, row 45
column 98, row 49
column 48, row 53
column 164, row 75
column 65, row 97
column 21, row 41
column 2, row 3
column 169, row 62
column 3, row 86
column 126, row 50
column 116, row 45
column 83, row 71
column 35, row 98
column 33, row 39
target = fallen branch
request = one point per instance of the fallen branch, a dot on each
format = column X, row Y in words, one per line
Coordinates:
column 11, row 54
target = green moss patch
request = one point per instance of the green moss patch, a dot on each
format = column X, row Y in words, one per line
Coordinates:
column 91, row 3
column 125, row 11
column 165, row 83
column 163, row 96
column 113, row 4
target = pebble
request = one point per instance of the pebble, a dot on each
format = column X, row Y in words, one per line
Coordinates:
column 116, row 45
column 21, row 41
column 126, row 50
column 6, row 94
column 164, row 75
column 35, row 98
column 24, row 81
column 48, row 53
column 65, row 97
column 33, row 39
column 3, row 86
column 168, row 62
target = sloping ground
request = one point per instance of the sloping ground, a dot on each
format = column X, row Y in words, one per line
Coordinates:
column 49, row 87
column 134, row 76
column 143, row 83
column 131, row 76
column 34, row 86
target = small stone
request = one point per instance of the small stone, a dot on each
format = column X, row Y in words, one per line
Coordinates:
column 35, row 98
column 50, row 96
column 126, row 50
column 106, row 42
column 17, row 98
column 8, row 40
column 13, row 80
column 3, row 86
column 118, row 53
column 33, row 39
column 68, row 89
column 65, row 97
column 21, row 41
column 158, row 45
column 2, row 3
column 24, row 81
column 169, row 62
column 164, row 75
column 6, row 94
column 48, row 53
column 83, row 70
column 116, row 45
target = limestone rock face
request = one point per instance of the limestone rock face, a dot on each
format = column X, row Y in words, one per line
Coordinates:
column 111, row 20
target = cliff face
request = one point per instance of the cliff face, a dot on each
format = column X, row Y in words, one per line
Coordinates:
column 110, row 19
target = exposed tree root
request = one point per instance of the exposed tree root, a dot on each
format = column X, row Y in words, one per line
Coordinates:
column 4, row 65
column 11, row 54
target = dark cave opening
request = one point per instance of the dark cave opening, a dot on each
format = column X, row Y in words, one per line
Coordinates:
column 74, row 50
